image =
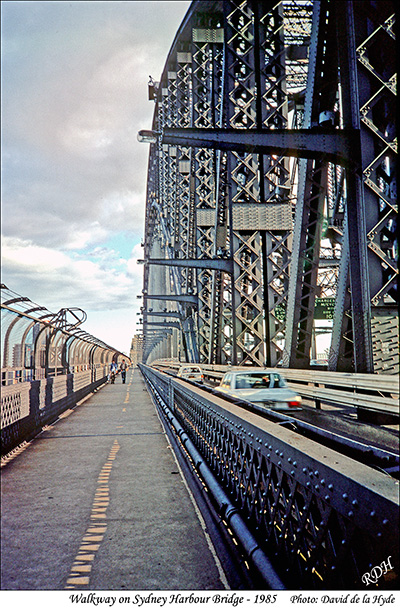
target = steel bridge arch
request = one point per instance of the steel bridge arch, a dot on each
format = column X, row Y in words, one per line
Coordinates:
column 273, row 150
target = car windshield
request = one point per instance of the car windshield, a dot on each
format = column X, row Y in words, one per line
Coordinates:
column 191, row 370
column 255, row 381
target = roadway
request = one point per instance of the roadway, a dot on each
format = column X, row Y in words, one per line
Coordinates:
column 339, row 419
column 339, row 428
column 343, row 420
column 97, row 501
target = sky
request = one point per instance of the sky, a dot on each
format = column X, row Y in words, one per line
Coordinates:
column 74, row 95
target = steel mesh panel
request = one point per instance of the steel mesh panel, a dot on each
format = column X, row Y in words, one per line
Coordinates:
column 314, row 540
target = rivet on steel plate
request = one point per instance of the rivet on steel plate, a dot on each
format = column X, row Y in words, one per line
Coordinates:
column 344, row 496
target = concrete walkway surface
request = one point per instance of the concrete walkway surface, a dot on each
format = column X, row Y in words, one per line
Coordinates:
column 97, row 501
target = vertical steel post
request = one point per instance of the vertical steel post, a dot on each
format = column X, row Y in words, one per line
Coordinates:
column 356, row 225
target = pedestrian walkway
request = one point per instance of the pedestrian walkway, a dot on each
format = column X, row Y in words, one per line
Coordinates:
column 97, row 502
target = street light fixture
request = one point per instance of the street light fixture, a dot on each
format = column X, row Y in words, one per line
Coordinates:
column 148, row 137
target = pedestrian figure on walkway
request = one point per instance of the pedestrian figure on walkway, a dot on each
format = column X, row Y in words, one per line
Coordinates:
column 113, row 370
column 123, row 367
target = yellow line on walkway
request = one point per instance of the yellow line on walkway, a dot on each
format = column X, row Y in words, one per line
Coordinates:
column 95, row 532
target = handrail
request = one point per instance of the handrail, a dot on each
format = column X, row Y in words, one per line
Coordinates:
column 359, row 400
column 373, row 382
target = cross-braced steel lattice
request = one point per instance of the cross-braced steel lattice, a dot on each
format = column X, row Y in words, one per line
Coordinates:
column 274, row 154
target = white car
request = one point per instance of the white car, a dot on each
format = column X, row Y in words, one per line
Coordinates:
column 191, row 372
column 266, row 388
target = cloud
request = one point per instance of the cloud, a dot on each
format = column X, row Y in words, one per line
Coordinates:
column 100, row 281
column 74, row 95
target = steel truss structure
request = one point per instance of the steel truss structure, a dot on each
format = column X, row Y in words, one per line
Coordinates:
column 272, row 185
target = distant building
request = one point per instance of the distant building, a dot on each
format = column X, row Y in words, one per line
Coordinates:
column 17, row 356
column 136, row 352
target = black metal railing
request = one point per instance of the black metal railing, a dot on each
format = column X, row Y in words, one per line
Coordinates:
column 322, row 519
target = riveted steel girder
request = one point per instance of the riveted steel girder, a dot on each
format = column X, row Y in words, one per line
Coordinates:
column 163, row 314
column 222, row 265
column 187, row 300
column 339, row 146
column 159, row 324
column 266, row 108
